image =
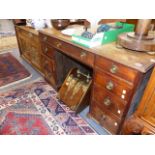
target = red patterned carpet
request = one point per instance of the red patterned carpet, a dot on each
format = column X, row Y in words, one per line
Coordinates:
column 35, row 110
column 11, row 70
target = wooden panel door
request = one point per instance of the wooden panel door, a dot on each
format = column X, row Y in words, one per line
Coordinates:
column 149, row 113
column 25, row 48
column 147, row 104
column 143, row 120
column 147, row 107
column 36, row 57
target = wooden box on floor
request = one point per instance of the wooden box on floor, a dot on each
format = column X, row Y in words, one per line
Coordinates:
column 75, row 90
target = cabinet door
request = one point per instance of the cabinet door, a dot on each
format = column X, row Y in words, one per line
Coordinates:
column 36, row 57
column 146, row 110
column 149, row 110
column 25, row 48
column 151, row 114
column 48, row 67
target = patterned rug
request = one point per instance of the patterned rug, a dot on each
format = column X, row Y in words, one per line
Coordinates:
column 35, row 110
column 11, row 70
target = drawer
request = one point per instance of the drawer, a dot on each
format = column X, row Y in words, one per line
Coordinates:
column 47, row 50
column 105, row 119
column 113, row 84
column 109, row 101
column 45, row 38
column 117, row 69
column 79, row 54
column 69, row 49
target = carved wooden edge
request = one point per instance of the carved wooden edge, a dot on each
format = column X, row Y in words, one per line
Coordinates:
column 136, row 126
column 132, row 126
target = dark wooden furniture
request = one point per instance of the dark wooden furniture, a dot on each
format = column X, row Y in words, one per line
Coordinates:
column 119, row 75
column 115, row 85
column 19, row 21
column 29, row 45
column 143, row 120
column 58, row 64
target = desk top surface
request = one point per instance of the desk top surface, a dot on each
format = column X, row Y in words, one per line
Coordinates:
column 137, row 60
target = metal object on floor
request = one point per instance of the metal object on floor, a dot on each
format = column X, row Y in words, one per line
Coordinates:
column 75, row 91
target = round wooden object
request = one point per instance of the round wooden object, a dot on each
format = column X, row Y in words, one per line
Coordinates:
column 128, row 41
column 133, row 36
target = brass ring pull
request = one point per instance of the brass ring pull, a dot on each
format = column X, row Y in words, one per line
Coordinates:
column 46, row 50
column 83, row 54
column 103, row 118
column 110, row 85
column 114, row 69
column 107, row 101
column 58, row 45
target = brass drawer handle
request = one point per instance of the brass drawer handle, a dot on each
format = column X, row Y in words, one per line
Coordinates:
column 58, row 45
column 103, row 118
column 115, row 124
column 114, row 69
column 46, row 50
column 107, row 101
column 110, row 85
column 83, row 54
column 45, row 39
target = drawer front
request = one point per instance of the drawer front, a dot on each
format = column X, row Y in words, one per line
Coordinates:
column 116, row 69
column 47, row 50
column 45, row 38
column 48, row 67
column 105, row 119
column 108, row 101
column 113, row 84
column 71, row 50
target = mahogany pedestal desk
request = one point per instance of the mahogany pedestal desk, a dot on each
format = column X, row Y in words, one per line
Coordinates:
column 119, row 75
